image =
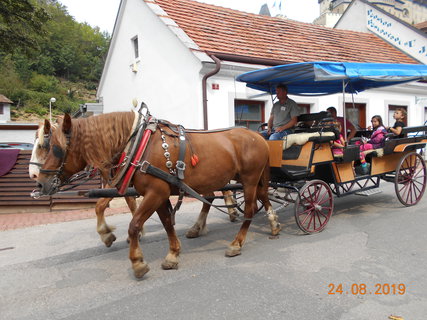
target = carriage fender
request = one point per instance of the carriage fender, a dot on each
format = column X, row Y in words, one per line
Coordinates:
column 402, row 147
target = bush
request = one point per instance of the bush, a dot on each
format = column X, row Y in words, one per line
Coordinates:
column 43, row 83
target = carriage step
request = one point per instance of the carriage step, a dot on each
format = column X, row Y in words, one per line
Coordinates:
column 368, row 192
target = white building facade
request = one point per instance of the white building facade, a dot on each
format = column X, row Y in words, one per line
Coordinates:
column 152, row 60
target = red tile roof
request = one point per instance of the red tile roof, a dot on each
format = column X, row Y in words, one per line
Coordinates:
column 421, row 25
column 220, row 30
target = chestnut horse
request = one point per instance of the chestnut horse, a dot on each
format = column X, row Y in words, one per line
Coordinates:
column 233, row 154
column 105, row 231
column 38, row 157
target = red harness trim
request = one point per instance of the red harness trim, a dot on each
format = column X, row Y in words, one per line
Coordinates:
column 131, row 170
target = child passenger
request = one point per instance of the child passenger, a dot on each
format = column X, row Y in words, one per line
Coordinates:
column 378, row 135
column 399, row 115
column 376, row 141
column 339, row 144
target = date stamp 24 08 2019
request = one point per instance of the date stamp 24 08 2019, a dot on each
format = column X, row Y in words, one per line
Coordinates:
column 364, row 289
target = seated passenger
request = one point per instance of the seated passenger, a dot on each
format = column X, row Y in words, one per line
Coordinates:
column 283, row 115
column 349, row 125
column 399, row 115
column 378, row 135
column 376, row 141
column 339, row 144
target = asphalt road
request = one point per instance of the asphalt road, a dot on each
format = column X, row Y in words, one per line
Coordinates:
column 372, row 256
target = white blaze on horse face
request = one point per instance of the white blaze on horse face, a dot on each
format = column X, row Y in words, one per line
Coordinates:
column 34, row 170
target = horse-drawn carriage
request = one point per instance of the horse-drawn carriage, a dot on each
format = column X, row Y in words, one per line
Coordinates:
column 300, row 169
column 303, row 162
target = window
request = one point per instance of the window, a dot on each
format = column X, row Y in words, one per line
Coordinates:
column 1, row 108
column 249, row 113
column 303, row 108
column 356, row 114
column 135, row 46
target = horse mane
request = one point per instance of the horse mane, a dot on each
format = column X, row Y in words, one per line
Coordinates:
column 99, row 139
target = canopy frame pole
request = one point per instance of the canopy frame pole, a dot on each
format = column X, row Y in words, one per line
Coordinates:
column 343, row 108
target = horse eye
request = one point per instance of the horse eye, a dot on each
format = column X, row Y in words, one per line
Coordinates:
column 58, row 152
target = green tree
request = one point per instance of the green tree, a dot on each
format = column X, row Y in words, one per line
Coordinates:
column 21, row 24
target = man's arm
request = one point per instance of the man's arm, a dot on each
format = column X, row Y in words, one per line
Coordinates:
column 270, row 124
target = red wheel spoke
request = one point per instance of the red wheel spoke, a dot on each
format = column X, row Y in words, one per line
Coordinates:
column 308, row 215
column 307, row 211
column 323, row 197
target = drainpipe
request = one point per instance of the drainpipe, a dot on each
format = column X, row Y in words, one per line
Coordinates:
column 204, row 90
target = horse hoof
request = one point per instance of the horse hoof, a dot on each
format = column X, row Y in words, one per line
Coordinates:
column 233, row 251
column 192, row 233
column 276, row 229
column 140, row 269
column 233, row 216
column 108, row 239
column 169, row 265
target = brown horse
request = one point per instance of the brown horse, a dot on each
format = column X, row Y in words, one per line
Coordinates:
column 105, row 231
column 234, row 154
column 38, row 158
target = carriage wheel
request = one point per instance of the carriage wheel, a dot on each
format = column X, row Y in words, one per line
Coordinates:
column 239, row 198
column 410, row 179
column 314, row 206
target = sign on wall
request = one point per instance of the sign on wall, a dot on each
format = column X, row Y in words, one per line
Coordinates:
column 409, row 41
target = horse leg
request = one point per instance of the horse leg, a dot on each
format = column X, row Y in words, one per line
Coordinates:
column 171, row 260
column 199, row 228
column 104, row 230
column 235, row 246
column 262, row 195
column 229, row 201
column 131, row 202
column 150, row 203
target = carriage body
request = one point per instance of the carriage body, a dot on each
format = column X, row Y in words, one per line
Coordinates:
column 311, row 170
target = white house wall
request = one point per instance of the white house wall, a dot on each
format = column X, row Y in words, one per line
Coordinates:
column 24, row 136
column 167, row 77
column 221, row 101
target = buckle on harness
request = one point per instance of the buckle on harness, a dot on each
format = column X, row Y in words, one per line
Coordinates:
column 143, row 167
column 180, row 166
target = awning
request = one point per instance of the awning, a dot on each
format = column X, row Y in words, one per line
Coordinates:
column 322, row 78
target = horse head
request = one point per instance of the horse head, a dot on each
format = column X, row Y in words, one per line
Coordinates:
column 58, row 157
column 40, row 149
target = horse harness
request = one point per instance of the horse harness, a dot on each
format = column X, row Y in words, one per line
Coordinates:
column 130, row 159
column 138, row 142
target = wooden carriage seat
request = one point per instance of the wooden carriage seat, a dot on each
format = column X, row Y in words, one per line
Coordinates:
column 314, row 127
column 411, row 135
column 303, row 137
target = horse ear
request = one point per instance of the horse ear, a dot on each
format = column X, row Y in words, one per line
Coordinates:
column 46, row 127
column 66, row 124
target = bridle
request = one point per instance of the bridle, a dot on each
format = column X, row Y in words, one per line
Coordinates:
column 59, row 153
column 45, row 145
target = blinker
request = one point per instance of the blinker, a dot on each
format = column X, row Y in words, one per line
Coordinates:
column 58, row 152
